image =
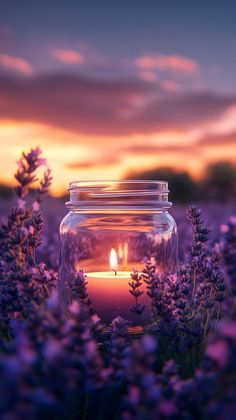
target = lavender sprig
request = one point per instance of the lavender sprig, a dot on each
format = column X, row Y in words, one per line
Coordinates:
column 20, row 237
column 27, row 166
column 135, row 285
column 43, row 188
column 80, row 292
column 118, row 348
column 228, row 247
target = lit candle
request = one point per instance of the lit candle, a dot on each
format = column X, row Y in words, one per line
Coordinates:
column 113, row 261
column 109, row 291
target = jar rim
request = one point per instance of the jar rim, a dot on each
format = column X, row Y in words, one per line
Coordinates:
column 149, row 183
column 120, row 195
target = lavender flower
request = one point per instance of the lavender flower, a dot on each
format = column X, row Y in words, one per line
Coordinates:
column 135, row 284
column 79, row 291
column 20, row 236
column 65, row 364
column 229, row 251
column 27, row 166
column 43, row 188
column 118, row 348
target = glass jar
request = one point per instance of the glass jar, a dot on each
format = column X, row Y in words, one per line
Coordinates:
column 111, row 229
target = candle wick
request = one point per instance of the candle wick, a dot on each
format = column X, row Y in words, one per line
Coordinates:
column 115, row 272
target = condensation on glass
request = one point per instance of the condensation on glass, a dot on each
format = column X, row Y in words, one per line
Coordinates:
column 125, row 220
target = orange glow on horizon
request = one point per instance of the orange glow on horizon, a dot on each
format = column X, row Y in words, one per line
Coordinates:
column 88, row 157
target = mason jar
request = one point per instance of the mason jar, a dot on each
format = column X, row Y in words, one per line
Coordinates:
column 112, row 229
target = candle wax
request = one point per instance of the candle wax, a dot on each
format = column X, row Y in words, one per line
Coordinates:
column 111, row 296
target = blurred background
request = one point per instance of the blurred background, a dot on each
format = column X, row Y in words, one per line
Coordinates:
column 126, row 89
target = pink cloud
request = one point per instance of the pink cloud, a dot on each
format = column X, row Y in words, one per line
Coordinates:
column 147, row 75
column 16, row 63
column 170, row 85
column 67, row 56
column 168, row 62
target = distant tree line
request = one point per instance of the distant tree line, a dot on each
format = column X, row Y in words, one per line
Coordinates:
column 5, row 191
column 217, row 183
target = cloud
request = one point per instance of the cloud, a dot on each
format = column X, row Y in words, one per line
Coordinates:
column 68, row 101
column 173, row 63
column 16, row 63
column 90, row 58
column 150, row 76
column 207, row 140
column 106, row 107
column 170, row 85
column 218, row 139
column 67, row 56
column 152, row 149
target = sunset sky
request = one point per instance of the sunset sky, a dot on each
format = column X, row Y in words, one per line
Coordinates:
column 109, row 87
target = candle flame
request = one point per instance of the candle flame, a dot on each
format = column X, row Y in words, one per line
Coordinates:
column 113, row 260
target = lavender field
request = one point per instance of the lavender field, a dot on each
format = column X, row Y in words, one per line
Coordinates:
column 57, row 363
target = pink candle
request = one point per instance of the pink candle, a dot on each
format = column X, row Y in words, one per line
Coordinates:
column 109, row 291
